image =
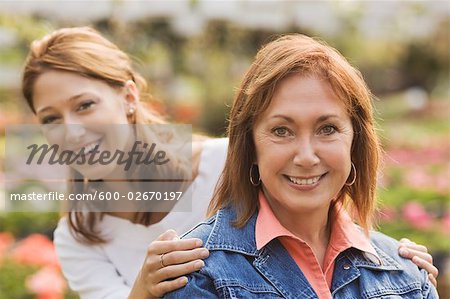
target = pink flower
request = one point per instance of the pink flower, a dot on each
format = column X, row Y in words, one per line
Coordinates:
column 446, row 223
column 47, row 283
column 417, row 216
column 435, row 154
column 6, row 240
column 387, row 214
column 442, row 181
column 418, row 178
column 36, row 250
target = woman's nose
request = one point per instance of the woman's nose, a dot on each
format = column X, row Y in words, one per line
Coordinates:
column 305, row 153
column 74, row 133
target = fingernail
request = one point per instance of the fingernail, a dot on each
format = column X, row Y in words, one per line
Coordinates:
column 403, row 251
column 183, row 280
column 199, row 243
column 199, row 265
column 204, row 253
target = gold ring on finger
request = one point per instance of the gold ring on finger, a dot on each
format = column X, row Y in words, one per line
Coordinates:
column 161, row 260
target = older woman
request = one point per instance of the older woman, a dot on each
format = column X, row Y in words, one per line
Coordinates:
column 301, row 167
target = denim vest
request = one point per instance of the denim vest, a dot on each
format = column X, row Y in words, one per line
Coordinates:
column 236, row 269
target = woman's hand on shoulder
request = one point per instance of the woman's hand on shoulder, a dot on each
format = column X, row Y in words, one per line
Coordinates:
column 419, row 255
column 168, row 260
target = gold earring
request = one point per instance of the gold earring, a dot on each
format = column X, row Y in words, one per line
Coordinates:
column 254, row 182
column 354, row 176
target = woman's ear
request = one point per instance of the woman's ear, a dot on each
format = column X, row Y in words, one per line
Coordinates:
column 131, row 93
column 131, row 100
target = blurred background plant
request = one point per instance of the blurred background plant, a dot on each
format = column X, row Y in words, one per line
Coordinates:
column 194, row 53
column 30, row 268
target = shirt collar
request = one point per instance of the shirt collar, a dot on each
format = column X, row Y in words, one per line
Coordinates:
column 344, row 233
column 267, row 225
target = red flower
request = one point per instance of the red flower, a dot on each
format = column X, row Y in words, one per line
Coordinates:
column 36, row 250
column 47, row 283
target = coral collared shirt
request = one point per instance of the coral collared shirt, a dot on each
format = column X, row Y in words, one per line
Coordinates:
column 344, row 234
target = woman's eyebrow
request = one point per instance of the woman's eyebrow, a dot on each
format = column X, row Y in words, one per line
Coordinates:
column 287, row 118
column 326, row 117
column 321, row 118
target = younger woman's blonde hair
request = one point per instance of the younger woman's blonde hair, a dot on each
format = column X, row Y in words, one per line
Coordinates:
column 85, row 52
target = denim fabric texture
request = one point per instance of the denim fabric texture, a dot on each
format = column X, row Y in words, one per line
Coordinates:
column 236, row 269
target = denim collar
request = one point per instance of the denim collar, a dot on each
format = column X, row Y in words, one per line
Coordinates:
column 226, row 237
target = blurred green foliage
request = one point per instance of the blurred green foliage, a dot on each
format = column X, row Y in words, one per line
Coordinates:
column 13, row 277
column 12, row 280
column 22, row 224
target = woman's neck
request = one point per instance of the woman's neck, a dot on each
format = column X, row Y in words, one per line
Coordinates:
column 312, row 227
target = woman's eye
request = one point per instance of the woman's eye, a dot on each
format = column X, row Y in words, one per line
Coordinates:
column 85, row 105
column 328, row 130
column 280, row 131
column 49, row 119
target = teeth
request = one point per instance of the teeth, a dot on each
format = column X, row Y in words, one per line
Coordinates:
column 89, row 148
column 309, row 181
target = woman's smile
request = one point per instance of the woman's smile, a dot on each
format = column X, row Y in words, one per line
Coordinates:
column 304, row 180
column 87, row 148
column 90, row 149
column 304, row 183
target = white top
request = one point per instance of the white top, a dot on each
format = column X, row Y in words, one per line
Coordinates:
column 109, row 270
